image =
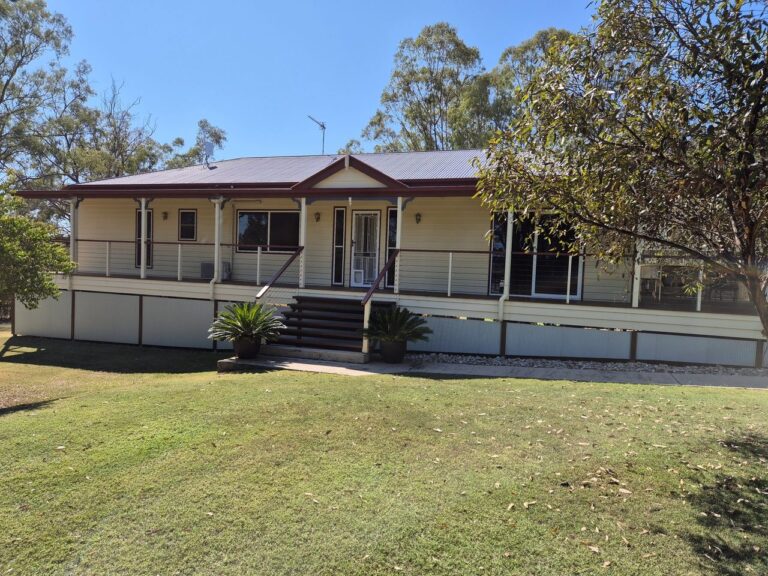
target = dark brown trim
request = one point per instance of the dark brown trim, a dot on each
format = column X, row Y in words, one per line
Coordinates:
column 759, row 352
column 178, row 227
column 343, row 246
column 341, row 164
column 72, row 316
column 503, row 338
column 633, row 346
column 141, row 319
column 388, row 211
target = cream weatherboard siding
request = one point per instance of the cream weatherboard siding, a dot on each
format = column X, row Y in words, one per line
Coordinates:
column 446, row 224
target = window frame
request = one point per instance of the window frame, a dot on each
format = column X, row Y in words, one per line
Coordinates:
column 533, row 294
column 339, row 266
column 265, row 248
column 194, row 238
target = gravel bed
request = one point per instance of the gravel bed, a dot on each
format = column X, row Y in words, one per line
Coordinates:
column 609, row 366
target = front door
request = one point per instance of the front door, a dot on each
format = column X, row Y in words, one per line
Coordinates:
column 365, row 248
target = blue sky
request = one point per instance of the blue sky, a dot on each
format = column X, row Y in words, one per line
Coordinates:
column 257, row 68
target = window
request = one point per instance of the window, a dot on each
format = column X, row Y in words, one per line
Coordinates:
column 537, row 267
column 339, row 220
column 389, row 282
column 138, row 239
column 188, row 225
column 272, row 231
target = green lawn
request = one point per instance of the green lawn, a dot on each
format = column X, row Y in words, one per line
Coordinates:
column 122, row 460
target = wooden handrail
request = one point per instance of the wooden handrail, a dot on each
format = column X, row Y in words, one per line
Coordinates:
column 279, row 273
column 380, row 277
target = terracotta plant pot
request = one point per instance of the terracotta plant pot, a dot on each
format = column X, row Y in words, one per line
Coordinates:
column 246, row 348
column 393, row 352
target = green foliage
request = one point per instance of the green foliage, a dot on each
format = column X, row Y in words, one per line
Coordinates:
column 353, row 146
column 246, row 320
column 397, row 324
column 650, row 131
column 440, row 98
column 29, row 254
column 206, row 132
column 430, row 74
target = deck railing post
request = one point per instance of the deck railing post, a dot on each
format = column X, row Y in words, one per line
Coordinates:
column 699, row 289
column 178, row 264
column 108, row 249
column 568, row 282
column 450, row 271
column 636, row 279
column 398, row 237
column 302, row 240
column 366, row 322
column 143, row 240
column 258, row 266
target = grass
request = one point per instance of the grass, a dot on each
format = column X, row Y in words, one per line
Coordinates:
column 121, row 460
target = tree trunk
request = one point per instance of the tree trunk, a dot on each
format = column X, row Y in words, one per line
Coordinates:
column 757, row 296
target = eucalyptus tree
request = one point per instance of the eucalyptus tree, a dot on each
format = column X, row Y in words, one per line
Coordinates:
column 431, row 73
column 650, row 127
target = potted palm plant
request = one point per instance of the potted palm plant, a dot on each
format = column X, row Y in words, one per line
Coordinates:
column 394, row 327
column 246, row 325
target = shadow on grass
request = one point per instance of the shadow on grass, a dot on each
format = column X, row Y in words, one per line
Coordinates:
column 28, row 406
column 733, row 510
column 99, row 356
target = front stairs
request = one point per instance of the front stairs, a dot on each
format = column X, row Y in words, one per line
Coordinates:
column 316, row 324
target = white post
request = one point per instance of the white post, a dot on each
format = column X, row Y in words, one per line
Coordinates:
column 178, row 264
column 398, row 238
column 73, row 229
column 507, row 262
column 258, row 266
column 568, row 282
column 143, row 239
column 450, row 271
column 636, row 279
column 366, row 322
column 217, row 240
column 302, row 239
column 699, row 289
column 109, row 250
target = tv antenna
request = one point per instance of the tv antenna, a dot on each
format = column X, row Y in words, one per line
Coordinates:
column 322, row 128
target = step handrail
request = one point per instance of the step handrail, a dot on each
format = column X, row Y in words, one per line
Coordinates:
column 279, row 273
column 380, row 277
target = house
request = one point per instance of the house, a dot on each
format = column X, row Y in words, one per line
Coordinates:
column 330, row 237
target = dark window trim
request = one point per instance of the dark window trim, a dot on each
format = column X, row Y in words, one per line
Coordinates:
column 389, row 279
column 150, row 237
column 269, row 230
column 194, row 211
column 334, row 246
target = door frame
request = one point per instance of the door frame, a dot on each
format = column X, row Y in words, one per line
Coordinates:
column 352, row 227
column 334, row 246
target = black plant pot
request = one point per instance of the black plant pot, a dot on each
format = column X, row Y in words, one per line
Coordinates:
column 246, row 348
column 393, row 352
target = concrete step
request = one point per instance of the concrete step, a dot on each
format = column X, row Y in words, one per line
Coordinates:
column 352, row 356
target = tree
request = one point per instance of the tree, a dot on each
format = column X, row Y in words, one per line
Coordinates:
column 206, row 132
column 29, row 254
column 515, row 70
column 28, row 34
column 353, row 146
column 650, row 130
column 431, row 72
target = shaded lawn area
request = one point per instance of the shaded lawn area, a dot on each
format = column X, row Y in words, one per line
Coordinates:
column 148, row 469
